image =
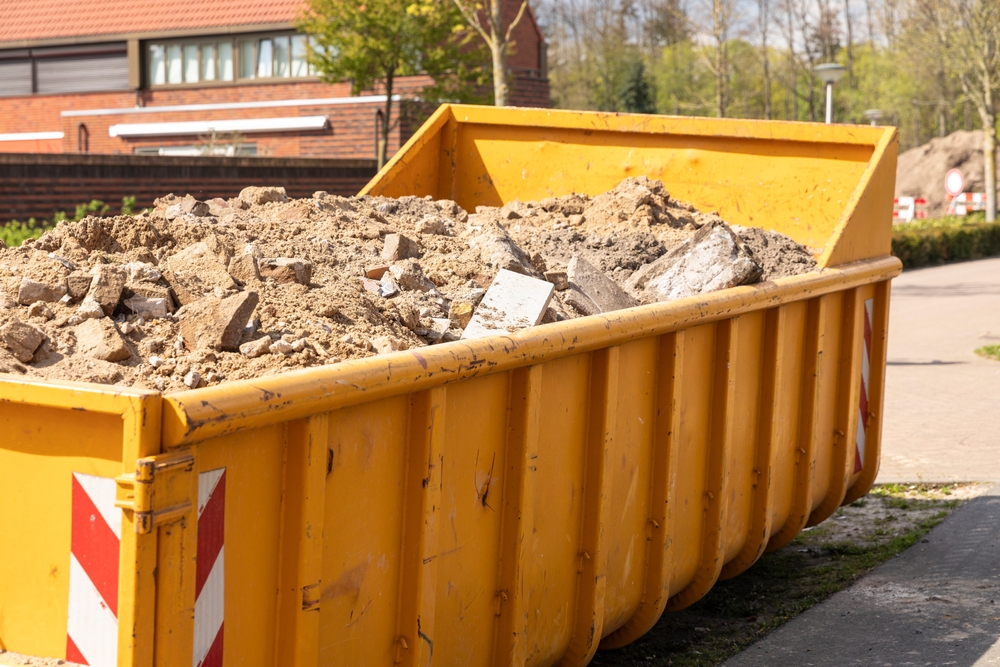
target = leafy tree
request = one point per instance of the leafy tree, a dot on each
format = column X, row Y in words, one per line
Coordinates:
column 636, row 93
column 372, row 43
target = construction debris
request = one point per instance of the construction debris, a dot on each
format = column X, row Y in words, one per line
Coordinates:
column 513, row 302
column 191, row 293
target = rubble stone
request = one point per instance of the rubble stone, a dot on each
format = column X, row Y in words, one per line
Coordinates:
column 39, row 309
column 559, row 279
column 21, row 339
column 714, row 258
column 262, row 195
column 216, row 324
column 193, row 379
column 287, row 270
column 90, row 309
column 256, row 348
column 591, row 292
column 281, row 347
column 376, row 272
column 512, row 302
column 432, row 224
column 244, row 269
column 498, row 250
column 106, row 289
column 386, row 344
column 31, row 291
column 399, row 247
column 409, row 276
column 78, row 284
column 147, row 308
column 100, row 339
column 195, row 272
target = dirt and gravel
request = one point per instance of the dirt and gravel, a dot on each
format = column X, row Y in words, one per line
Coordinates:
column 192, row 293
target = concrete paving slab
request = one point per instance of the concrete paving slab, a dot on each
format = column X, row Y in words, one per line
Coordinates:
column 938, row 603
column 941, row 418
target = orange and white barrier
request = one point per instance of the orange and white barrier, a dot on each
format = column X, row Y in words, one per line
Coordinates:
column 908, row 208
column 965, row 202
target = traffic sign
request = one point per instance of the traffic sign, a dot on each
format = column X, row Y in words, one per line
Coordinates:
column 954, row 182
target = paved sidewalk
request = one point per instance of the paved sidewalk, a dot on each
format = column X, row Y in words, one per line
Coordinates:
column 942, row 408
column 938, row 603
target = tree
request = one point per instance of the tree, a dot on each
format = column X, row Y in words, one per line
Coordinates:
column 636, row 94
column 487, row 18
column 374, row 42
column 966, row 34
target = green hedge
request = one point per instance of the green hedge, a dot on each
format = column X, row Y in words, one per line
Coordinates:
column 929, row 245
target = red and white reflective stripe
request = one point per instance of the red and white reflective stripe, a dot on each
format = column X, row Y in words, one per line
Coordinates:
column 209, row 605
column 908, row 208
column 866, row 352
column 965, row 202
column 95, row 536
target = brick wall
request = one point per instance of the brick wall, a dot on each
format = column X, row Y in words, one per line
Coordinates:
column 37, row 185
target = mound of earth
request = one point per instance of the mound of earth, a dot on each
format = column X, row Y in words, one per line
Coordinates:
column 920, row 171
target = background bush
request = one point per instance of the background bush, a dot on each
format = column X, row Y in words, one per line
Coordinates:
column 947, row 239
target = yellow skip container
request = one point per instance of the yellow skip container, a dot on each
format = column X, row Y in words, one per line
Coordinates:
column 514, row 500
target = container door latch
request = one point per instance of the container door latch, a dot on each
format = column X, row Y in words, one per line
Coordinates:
column 159, row 492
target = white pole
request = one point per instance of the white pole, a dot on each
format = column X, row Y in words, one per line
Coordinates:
column 829, row 102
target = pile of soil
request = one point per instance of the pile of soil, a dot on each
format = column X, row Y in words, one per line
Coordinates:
column 920, row 171
column 191, row 293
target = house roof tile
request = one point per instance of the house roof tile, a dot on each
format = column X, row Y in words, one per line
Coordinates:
column 24, row 20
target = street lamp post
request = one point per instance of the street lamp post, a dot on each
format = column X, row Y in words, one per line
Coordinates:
column 873, row 115
column 830, row 74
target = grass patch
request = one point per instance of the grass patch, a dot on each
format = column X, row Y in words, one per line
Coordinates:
column 947, row 239
column 989, row 351
column 781, row 585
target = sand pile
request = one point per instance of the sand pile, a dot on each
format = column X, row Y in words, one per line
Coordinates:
column 192, row 293
column 920, row 171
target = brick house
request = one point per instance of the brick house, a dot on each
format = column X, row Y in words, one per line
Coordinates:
column 186, row 76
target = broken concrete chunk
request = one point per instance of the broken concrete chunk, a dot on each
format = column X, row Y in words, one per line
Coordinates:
column 100, row 339
column 195, row 272
column 89, row 310
column 559, row 279
column 371, row 286
column 386, row 344
column 399, row 247
column 21, row 339
column 192, row 206
column 592, row 292
column 512, row 302
column 432, row 224
column 216, row 324
column 262, row 195
column 78, row 284
column 147, row 308
column 438, row 328
column 140, row 272
column 497, row 249
column 256, row 348
column 31, row 291
column 106, row 289
column 281, row 347
column 244, row 269
column 193, row 380
column 39, row 309
column 409, row 276
column 218, row 206
column 287, row 270
column 714, row 258
column 388, row 287
column 149, row 291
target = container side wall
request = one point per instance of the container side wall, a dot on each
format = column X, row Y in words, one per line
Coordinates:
column 631, row 465
column 363, row 531
column 742, row 463
column 44, row 449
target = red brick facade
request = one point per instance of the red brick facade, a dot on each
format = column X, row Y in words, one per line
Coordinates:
column 85, row 119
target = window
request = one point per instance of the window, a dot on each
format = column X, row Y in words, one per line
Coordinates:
column 64, row 69
column 268, row 57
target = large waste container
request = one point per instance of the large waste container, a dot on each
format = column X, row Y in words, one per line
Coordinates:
column 512, row 500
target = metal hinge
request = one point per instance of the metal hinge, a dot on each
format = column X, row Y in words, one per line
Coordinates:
column 159, row 490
